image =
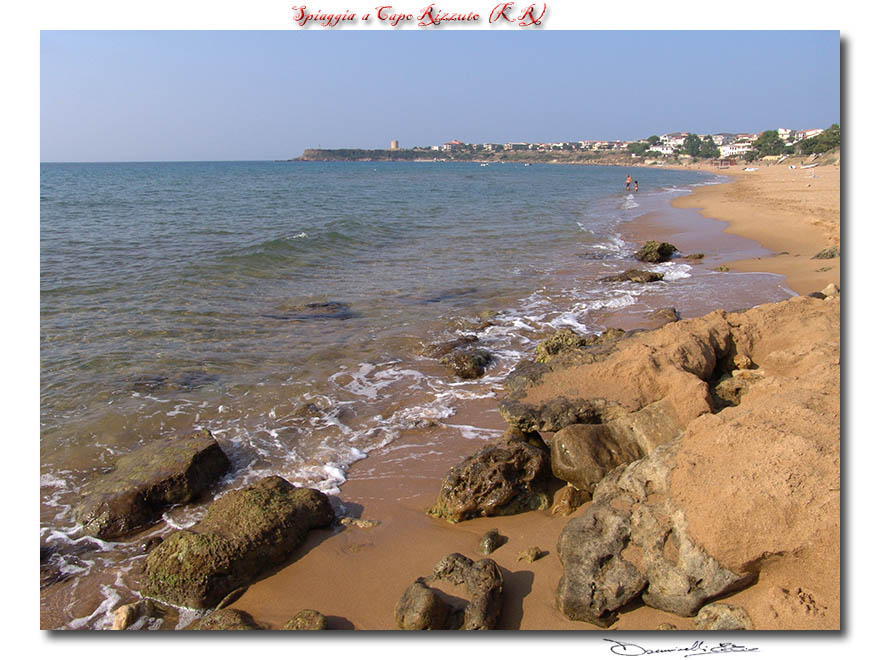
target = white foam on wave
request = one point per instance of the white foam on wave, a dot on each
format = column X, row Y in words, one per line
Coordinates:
column 621, row 299
column 629, row 203
column 672, row 271
column 569, row 320
column 614, row 245
column 474, row 432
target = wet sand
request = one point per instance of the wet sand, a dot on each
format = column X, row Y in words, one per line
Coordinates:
column 793, row 213
column 355, row 575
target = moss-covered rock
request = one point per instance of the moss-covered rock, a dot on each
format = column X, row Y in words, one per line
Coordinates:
column 147, row 481
column 634, row 275
column 656, row 252
column 468, row 363
column 243, row 533
column 559, row 341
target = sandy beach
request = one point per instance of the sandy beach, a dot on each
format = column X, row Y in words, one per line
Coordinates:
column 779, row 508
column 794, row 213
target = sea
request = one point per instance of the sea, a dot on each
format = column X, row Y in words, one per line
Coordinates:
column 288, row 307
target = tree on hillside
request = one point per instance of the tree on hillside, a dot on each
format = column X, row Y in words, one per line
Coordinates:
column 821, row 143
column 654, row 139
column 638, row 148
column 692, row 145
column 769, row 144
column 708, row 148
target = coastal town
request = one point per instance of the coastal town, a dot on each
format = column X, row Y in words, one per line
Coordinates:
column 668, row 144
column 656, row 149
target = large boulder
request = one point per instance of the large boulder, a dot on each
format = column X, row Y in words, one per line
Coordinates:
column 147, row 481
column 243, row 533
column 582, row 454
column 423, row 607
column 633, row 540
column 500, row 479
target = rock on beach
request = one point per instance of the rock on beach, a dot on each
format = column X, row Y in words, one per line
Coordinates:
column 147, row 481
column 243, row 533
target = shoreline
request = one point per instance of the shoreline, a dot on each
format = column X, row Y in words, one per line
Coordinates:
column 799, row 217
column 355, row 576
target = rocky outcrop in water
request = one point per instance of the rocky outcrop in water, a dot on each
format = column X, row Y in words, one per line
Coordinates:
column 423, row 607
column 244, row 533
column 316, row 311
column 656, row 252
column 147, row 481
column 634, row 275
column 468, row 363
column 465, row 359
column 500, row 479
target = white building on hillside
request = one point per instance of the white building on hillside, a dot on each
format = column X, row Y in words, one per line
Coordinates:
column 735, row 149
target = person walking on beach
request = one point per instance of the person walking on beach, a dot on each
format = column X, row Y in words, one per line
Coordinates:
column 629, row 181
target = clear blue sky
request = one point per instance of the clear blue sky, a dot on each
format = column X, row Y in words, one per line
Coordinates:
column 111, row 96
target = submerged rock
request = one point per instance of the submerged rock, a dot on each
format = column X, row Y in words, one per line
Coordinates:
column 443, row 349
column 184, row 382
column 147, row 481
column 424, row 608
column 242, row 534
column 498, row 480
column 656, row 252
column 634, row 275
column 316, row 311
column 468, row 363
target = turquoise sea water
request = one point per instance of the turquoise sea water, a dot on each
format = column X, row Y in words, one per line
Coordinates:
column 285, row 306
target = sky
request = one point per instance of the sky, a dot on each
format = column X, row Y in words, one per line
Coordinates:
column 265, row 95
